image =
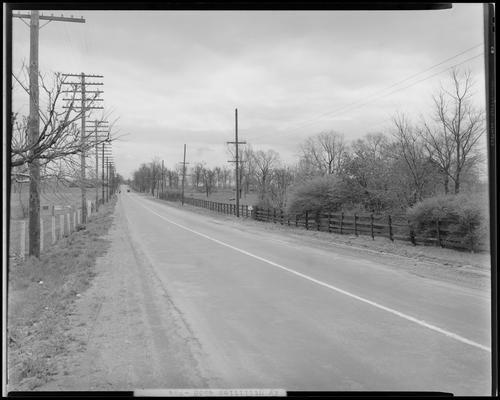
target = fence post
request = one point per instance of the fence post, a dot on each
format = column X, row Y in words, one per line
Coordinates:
column 412, row 234
column 61, row 225
column 41, row 234
column 356, row 224
column 307, row 220
column 329, row 222
column 341, row 222
column 371, row 226
column 274, row 215
column 69, row 223
column 246, row 208
column 438, row 232
column 281, row 215
column 471, row 238
column 268, row 214
column 318, row 221
column 390, row 227
column 22, row 250
column 53, row 226
column 296, row 220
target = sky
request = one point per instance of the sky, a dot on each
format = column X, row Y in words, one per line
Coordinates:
column 175, row 77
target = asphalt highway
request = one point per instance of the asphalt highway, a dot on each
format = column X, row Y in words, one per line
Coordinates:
column 270, row 312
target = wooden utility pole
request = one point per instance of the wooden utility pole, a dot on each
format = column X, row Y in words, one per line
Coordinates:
column 162, row 176
column 84, row 108
column 82, row 155
column 183, row 174
column 97, row 140
column 34, row 125
column 107, row 179
column 106, row 153
column 102, row 173
column 237, row 162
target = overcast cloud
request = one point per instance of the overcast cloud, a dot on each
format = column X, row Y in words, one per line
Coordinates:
column 175, row 77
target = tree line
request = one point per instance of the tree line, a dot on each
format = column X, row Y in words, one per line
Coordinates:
column 437, row 154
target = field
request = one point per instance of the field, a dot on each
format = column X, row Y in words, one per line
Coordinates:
column 50, row 194
column 66, row 201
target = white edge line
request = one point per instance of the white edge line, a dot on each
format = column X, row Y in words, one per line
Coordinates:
column 372, row 303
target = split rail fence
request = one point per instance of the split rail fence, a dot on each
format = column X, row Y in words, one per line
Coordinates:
column 393, row 227
column 222, row 208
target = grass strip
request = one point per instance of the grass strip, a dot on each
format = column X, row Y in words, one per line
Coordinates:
column 41, row 293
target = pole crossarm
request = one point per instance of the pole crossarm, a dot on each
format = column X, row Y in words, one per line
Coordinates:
column 79, row 83
column 91, row 99
column 86, row 108
column 87, row 91
column 86, row 76
column 52, row 18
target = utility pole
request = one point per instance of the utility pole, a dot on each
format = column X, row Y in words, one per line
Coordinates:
column 107, row 179
column 34, row 125
column 84, row 108
column 237, row 162
column 106, row 153
column 102, row 173
column 183, row 174
column 97, row 140
column 162, row 176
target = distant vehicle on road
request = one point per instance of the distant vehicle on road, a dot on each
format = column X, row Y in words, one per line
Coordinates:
column 128, row 190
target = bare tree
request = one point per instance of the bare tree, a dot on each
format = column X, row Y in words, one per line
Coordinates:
column 197, row 174
column 325, row 152
column 226, row 175
column 457, row 126
column 282, row 179
column 208, row 180
column 59, row 133
column 155, row 176
column 264, row 163
column 248, row 170
column 409, row 147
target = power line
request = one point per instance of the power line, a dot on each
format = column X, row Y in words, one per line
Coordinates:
column 350, row 105
column 355, row 105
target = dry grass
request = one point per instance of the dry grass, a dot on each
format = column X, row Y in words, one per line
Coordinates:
column 41, row 293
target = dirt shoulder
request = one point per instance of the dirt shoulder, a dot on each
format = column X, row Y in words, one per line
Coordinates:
column 471, row 270
column 41, row 292
column 128, row 334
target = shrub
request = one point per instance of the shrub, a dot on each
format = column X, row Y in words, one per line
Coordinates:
column 171, row 195
column 326, row 193
column 463, row 218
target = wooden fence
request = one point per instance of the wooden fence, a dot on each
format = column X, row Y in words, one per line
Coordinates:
column 389, row 226
column 222, row 208
column 393, row 227
column 56, row 222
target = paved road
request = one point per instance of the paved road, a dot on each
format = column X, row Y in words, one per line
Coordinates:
column 272, row 312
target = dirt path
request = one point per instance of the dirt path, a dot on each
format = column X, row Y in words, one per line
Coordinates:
column 129, row 334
